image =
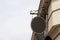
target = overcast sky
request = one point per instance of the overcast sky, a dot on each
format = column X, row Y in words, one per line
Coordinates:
column 15, row 19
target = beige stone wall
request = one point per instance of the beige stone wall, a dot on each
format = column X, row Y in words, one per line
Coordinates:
column 55, row 18
column 58, row 38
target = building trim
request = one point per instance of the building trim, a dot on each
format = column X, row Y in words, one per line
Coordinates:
column 43, row 6
column 54, row 32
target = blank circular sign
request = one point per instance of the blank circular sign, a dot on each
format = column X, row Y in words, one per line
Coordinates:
column 38, row 24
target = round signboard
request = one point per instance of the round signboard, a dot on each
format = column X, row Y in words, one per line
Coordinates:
column 38, row 24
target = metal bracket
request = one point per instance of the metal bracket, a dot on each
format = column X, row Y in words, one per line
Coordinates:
column 33, row 12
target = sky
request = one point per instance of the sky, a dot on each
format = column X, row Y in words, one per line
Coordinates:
column 15, row 19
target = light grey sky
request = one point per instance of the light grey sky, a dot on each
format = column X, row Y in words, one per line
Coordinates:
column 15, row 19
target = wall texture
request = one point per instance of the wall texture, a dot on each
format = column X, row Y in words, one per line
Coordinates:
column 55, row 18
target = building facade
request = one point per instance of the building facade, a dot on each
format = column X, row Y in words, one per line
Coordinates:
column 50, row 11
column 54, row 20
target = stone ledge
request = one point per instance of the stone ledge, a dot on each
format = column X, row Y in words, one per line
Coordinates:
column 55, row 30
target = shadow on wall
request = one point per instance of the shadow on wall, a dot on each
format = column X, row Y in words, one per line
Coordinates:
column 48, row 38
column 54, row 0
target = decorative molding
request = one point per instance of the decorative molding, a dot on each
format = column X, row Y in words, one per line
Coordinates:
column 55, row 30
